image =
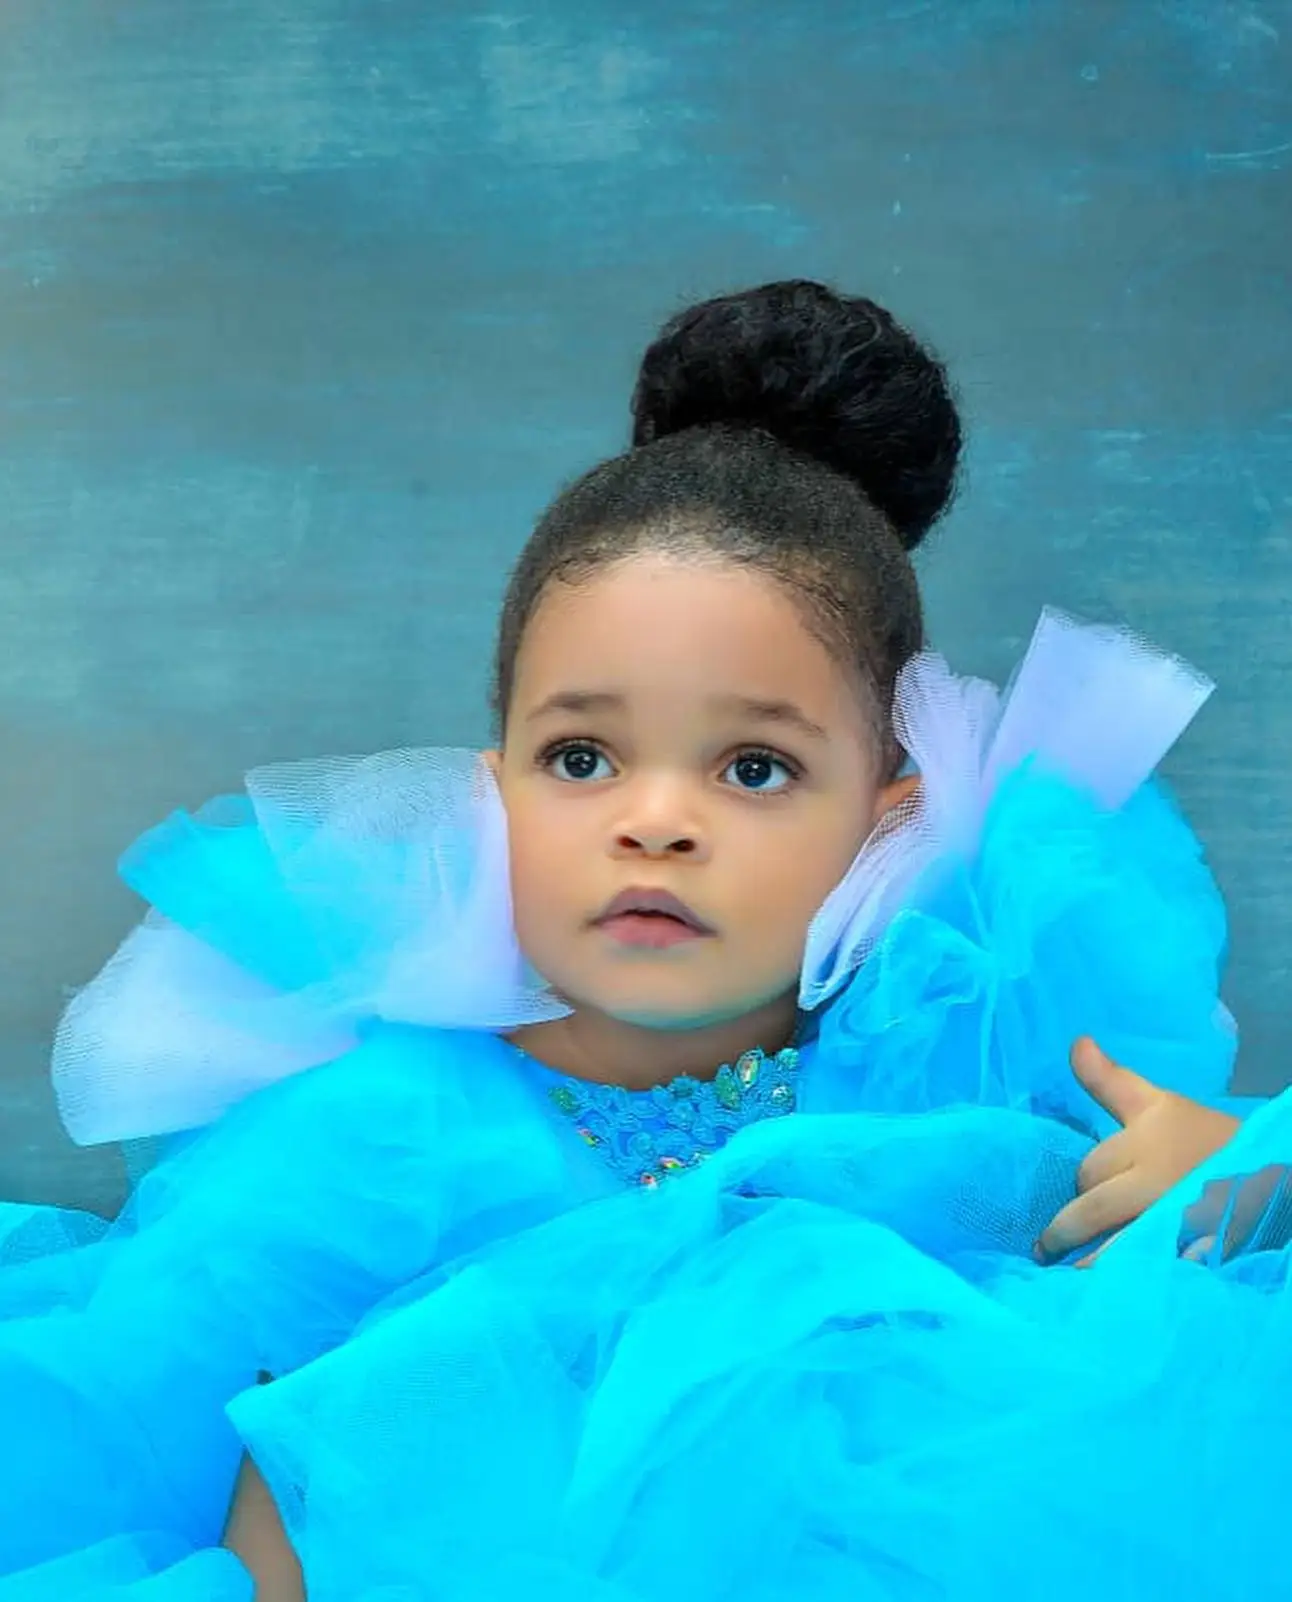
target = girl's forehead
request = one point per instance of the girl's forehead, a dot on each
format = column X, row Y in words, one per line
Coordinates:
column 650, row 608
column 694, row 627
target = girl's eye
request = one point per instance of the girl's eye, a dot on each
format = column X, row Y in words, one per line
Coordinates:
column 578, row 763
column 759, row 771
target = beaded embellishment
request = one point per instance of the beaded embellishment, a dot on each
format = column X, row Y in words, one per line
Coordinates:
column 647, row 1135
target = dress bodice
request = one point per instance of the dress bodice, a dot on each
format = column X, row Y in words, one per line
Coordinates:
column 647, row 1135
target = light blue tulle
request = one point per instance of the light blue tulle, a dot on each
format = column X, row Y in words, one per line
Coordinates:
column 821, row 1364
column 1069, row 920
column 801, row 1373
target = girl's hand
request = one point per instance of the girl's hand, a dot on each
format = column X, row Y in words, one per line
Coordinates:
column 1163, row 1137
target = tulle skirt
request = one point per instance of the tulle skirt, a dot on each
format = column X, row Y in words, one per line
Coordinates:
column 250, row 1249
column 820, row 1366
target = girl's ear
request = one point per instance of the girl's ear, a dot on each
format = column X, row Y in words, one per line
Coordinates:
column 493, row 761
column 892, row 795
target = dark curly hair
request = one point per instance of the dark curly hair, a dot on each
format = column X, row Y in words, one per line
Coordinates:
column 785, row 428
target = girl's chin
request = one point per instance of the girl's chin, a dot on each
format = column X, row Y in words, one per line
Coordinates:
column 676, row 1017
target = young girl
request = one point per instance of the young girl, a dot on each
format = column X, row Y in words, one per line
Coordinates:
column 498, row 1251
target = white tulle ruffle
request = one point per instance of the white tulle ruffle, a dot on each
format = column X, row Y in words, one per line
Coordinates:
column 1093, row 705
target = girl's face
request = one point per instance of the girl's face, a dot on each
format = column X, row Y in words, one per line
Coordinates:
column 687, row 774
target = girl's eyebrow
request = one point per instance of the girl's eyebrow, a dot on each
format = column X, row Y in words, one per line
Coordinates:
column 783, row 712
column 577, row 701
column 580, row 702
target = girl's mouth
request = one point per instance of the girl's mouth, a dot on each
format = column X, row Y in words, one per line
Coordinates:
column 651, row 919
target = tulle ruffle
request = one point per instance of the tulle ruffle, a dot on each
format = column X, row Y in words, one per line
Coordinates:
column 251, row 1249
column 283, row 925
column 1067, row 919
column 1095, row 707
column 822, row 1366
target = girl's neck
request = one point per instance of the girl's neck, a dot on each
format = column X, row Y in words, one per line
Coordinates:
column 589, row 1045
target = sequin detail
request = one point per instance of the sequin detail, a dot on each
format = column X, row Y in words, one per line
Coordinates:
column 648, row 1135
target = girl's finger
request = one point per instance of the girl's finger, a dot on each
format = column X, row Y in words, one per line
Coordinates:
column 1106, row 1207
column 1118, row 1090
column 1109, row 1158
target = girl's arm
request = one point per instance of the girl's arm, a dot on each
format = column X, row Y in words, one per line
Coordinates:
column 255, row 1534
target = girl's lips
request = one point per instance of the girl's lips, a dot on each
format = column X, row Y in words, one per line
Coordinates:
column 653, row 931
column 653, row 919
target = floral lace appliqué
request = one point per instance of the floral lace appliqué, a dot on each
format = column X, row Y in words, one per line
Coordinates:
column 646, row 1135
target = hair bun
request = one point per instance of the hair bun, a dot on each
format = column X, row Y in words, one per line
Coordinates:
column 832, row 376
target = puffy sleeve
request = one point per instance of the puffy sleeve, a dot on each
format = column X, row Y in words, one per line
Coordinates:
column 1041, row 886
column 283, row 924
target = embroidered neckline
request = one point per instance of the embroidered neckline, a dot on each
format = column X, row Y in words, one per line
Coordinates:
column 648, row 1135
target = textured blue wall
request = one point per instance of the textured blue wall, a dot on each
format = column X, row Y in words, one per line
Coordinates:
column 306, row 306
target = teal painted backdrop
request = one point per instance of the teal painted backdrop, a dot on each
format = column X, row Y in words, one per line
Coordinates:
column 306, row 306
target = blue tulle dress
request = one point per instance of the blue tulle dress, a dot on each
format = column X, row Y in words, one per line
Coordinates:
column 776, row 1336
